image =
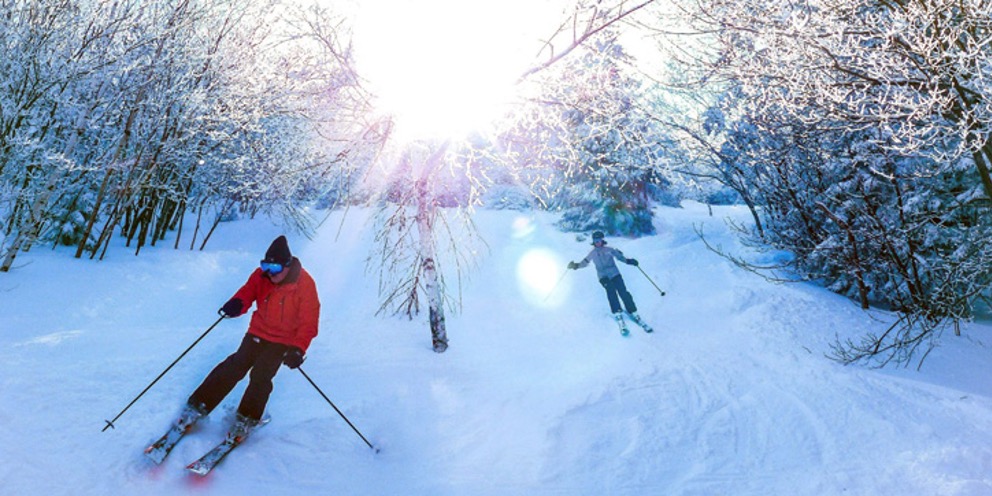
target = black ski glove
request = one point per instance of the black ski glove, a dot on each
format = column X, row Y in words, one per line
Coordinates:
column 293, row 358
column 573, row 265
column 232, row 308
column 631, row 261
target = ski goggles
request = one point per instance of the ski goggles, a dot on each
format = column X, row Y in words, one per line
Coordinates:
column 271, row 267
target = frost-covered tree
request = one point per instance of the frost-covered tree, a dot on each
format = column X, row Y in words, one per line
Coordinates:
column 861, row 129
column 417, row 251
column 587, row 143
column 125, row 116
column 608, row 182
column 917, row 70
column 58, row 70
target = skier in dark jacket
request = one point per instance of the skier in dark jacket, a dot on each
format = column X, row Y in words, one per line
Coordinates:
column 281, row 328
column 609, row 276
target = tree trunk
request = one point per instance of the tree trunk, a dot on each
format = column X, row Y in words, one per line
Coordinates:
column 196, row 228
column 27, row 233
column 95, row 213
column 8, row 259
column 426, row 212
column 983, row 172
column 180, row 216
column 859, row 275
column 220, row 215
column 432, row 284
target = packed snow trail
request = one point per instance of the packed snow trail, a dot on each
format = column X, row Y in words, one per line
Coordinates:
column 538, row 394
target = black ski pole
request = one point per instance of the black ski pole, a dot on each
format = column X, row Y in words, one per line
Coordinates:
column 329, row 402
column 110, row 423
column 649, row 280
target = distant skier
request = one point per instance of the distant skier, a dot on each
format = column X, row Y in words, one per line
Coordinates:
column 281, row 328
column 609, row 276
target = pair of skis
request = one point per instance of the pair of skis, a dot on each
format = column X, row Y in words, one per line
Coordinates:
column 160, row 449
column 624, row 330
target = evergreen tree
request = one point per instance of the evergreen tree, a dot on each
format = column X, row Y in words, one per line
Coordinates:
column 590, row 149
column 607, row 184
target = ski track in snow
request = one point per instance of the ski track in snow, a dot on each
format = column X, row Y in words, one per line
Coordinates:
column 537, row 395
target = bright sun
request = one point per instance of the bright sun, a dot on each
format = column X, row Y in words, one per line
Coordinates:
column 443, row 68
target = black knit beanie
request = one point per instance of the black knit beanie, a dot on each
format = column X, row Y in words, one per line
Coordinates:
column 278, row 252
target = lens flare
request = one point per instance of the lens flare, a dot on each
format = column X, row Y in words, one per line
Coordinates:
column 523, row 227
column 539, row 278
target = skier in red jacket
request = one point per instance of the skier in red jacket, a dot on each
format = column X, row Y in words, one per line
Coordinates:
column 281, row 328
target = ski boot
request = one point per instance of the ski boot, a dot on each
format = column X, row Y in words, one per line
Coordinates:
column 241, row 429
column 637, row 320
column 189, row 416
column 624, row 331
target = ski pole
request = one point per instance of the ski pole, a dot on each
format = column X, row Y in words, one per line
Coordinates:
column 560, row 279
column 110, row 423
column 329, row 402
column 649, row 280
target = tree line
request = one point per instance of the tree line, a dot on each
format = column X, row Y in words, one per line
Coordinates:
column 858, row 132
column 134, row 117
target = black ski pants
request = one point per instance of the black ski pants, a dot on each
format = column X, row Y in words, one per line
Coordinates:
column 616, row 290
column 255, row 355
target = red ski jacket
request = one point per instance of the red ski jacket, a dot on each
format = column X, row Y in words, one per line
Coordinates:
column 286, row 313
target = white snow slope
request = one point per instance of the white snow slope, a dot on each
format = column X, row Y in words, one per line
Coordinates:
column 537, row 395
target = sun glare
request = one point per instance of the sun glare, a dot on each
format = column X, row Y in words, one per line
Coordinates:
column 539, row 278
column 444, row 68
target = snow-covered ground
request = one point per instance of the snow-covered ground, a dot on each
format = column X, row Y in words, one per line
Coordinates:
column 538, row 394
